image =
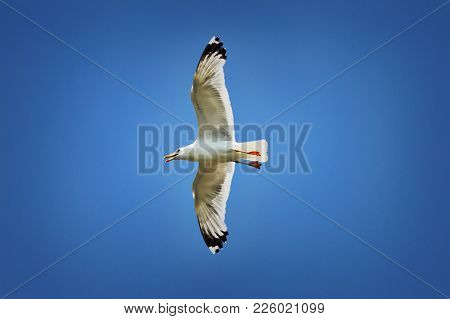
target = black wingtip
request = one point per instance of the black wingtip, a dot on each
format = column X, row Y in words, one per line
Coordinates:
column 214, row 47
column 215, row 244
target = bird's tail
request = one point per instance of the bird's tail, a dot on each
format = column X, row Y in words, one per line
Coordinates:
column 254, row 151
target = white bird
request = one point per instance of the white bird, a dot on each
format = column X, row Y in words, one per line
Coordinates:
column 215, row 148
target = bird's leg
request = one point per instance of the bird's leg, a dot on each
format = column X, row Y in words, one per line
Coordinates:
column 254, row 153
column 250, row 153
column 253, row 164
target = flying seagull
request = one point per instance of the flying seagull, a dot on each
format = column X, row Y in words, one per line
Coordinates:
column 215, row 148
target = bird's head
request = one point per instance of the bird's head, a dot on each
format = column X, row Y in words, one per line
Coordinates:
column 175, row 155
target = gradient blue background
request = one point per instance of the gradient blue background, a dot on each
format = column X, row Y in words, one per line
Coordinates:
column 379, row 150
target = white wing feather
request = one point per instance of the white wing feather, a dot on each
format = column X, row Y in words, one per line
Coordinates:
column 209, row 95
column 210, row 190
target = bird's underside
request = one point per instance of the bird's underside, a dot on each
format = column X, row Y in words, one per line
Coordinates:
column 212, row 183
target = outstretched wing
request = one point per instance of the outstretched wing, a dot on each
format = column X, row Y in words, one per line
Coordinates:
column 209, row 94
column 210, row 190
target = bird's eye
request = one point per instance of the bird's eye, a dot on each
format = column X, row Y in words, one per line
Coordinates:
column 178, row 150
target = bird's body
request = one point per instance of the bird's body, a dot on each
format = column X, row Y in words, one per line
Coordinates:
column 208, row 150
column 215, row 148
column 218, row 151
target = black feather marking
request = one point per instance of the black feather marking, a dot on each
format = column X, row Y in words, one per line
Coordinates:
column 223, row 238
column 212, row 241
column 215, row 48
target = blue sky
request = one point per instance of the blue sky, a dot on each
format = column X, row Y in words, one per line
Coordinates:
column 379, row 150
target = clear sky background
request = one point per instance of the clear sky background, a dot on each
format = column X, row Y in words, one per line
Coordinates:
column 379, row 149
